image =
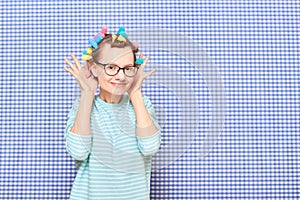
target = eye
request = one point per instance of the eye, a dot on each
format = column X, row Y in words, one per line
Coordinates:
column 112, row 67
column 129, row 68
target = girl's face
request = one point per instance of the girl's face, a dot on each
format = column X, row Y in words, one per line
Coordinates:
column 119, row 83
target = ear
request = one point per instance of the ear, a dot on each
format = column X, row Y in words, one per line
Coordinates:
column 93, row 69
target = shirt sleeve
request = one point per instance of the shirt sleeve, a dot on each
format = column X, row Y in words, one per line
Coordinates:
column 150, row 145
column 78, row 146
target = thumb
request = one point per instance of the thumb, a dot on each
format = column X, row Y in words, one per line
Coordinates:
column 86, row 70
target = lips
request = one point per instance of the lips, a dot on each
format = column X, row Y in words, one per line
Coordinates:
column 118, row 84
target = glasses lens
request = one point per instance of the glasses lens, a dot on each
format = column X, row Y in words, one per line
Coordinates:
column 130, row 71
column 111, row 69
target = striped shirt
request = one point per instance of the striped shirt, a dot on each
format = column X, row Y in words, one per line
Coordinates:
column 113, row 162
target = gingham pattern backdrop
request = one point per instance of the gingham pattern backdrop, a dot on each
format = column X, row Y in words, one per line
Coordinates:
column 254, row 45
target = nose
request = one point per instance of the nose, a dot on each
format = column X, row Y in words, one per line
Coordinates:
column 120, row 75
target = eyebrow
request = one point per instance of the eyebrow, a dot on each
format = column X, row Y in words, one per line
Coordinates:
column 124, row 65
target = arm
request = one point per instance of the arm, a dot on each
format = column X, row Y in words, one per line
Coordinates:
column 88, row 86
column 77, row 134
column 78, row 146
column 147, row 129
column 145, row 126
column 81, row 124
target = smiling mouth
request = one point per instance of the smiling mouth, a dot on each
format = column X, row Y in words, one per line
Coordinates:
column 118, row 84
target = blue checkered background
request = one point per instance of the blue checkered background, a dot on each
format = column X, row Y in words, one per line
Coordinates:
column 254, row 46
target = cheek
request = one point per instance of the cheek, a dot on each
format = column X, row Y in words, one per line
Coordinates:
column 130, row 83
column 103, row 75
column 103, row 78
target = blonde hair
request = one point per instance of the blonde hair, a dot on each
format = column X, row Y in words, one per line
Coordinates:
column 114, row 43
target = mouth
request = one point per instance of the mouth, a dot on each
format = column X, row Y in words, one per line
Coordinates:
column 118, row 84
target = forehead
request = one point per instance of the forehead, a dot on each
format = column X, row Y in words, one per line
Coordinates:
column 117, row 55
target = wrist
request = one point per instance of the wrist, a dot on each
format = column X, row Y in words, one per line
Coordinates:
column 87, row 96
column 87, row 93
column 136, row 95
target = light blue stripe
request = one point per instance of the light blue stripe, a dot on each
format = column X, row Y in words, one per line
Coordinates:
column 114, row 166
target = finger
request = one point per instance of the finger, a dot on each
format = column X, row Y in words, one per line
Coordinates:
column 149, row 73
column 146, row 61
column 70, row 72
column 142, row 67
column 71, row 65
column 86, row 70
column 141, row 55
column 85, row 65
column 68, row 62
column 76, row 61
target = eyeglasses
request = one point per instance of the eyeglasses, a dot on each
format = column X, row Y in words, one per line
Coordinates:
column 112, row 69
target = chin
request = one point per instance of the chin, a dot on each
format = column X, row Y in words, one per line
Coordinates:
column 119, row 91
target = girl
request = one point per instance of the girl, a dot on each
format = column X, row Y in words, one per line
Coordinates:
column 113, row 135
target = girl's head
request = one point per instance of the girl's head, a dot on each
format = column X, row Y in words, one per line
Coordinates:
column 114, row 41
column 113, row 62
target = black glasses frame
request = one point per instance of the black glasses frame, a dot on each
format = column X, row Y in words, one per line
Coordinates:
column 120, row 68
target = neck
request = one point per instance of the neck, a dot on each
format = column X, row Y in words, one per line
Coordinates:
column 109, row 97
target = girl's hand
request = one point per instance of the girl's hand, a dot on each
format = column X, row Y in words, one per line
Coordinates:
column 84, row 78
column 139, row 77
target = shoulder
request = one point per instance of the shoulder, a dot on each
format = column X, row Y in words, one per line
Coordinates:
column 147, row 101
column 146, row 98
column 76, row 102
